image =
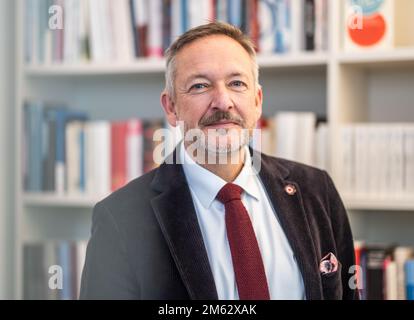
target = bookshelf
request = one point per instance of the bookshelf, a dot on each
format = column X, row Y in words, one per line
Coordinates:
column 344, row 87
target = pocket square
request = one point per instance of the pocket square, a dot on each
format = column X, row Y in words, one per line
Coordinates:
column 328, row 264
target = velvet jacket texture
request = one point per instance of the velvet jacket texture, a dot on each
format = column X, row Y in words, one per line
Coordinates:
column 146, row 242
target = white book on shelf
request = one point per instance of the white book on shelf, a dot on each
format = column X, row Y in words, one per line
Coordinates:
column 199, row 12
column 107, row 25
column 35, row 31
column 176, row 19
column 70, row 32
column 382, row 161
column 347, row 156
column 361, row 161
column 135, row 149
column 81, row 247
column 391, row 288
column 98, row 158
column 297, row 26
column 305, row 138
column 373, row 155
column 322, row 147
column 84, row 30
column 122, row 26
column 396, row 182
column 321, row 25
column 96, row 31
column 267, row 26
column 155, row 28
column 409, row 159
column 268, row 137
column 286, row 135
column 73, row 154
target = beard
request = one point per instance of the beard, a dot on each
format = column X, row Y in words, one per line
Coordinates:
column 223, row 141
column 219, row 141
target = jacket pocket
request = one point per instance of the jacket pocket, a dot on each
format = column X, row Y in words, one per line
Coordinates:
column 332, row 285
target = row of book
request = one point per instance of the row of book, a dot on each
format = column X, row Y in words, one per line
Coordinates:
column 386, row 272
column 67, row 153
column 377, row 159
column 53, row 270
column 297, row 136
column 71, row 31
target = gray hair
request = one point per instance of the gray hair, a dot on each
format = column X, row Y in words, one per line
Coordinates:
column 212, row 28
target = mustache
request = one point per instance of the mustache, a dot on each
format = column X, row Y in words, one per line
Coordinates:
column 221, row 115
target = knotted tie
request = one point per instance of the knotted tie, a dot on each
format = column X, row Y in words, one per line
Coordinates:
column 247, row 260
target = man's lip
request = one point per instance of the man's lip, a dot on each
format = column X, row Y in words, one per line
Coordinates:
column 222, row 123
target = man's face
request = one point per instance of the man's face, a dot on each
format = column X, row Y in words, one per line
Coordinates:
column 215, row 92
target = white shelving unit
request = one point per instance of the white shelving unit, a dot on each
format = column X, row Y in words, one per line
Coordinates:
column 341, row 86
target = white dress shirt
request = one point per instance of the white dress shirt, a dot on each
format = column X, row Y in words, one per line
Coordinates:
column 283, row 275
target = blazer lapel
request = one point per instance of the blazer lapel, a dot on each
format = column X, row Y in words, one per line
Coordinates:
column 176, row 215
column 292, row 216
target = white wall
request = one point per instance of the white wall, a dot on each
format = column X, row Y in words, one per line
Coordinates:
column 7, row 150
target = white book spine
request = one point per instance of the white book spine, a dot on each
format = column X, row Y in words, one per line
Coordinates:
column 96, row 39
column 267, row 27
column 103, row 140
column 409, row 159
column 305, row 144
column 81, row 247
column 297, row 26
column 176, row 19
column 123, row 38
column 73, row 130
column 155, row 28
column 286, row 135
column 134, row 149
column 396, row 152
column 391, row 281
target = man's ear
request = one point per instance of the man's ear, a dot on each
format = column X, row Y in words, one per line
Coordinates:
column 258, row 100
column 169, row 108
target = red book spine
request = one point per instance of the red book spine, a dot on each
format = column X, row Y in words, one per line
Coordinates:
column 118, row 154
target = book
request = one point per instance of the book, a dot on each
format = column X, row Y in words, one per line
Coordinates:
column 409, row 279
column 369, row 25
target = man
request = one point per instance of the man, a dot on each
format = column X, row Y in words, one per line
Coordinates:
column 219, row 220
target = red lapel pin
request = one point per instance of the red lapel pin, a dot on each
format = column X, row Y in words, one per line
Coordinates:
column 290, row 189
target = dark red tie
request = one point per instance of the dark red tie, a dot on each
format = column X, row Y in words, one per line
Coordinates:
column 247, row 260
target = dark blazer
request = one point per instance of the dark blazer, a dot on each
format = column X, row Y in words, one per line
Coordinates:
column 146, row 242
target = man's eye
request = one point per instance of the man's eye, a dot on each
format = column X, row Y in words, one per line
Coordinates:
column 238, row 83
column 198, row 86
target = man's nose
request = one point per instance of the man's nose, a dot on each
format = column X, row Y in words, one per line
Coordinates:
column 222, row 98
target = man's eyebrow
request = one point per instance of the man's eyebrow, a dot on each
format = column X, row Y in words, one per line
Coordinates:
column 196, row 76
column 206, row 76
column 237, row 74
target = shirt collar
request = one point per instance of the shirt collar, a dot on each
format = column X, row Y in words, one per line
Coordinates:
column 206, row 184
